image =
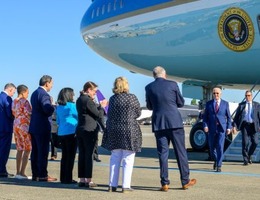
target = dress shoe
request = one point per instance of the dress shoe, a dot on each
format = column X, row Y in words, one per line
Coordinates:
column 69, row 182
column 245, row 163
column 189, row 184
column 127, row 190
column 18, row 176
column 46, row 179
column 164, row 188
column 218, row 169
column 53, row 158
column 6, row 175
column 82, row 184
column 97, row 159
column 214, row 166
column 111, row 189
column 91, row 185
column 250, row 160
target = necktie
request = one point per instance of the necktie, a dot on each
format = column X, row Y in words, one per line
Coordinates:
column 216, row 107
column 249, row 112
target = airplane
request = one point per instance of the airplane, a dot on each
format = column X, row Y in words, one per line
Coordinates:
column 200, row 43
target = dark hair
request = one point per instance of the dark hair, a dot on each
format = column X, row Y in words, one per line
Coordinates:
column 21, row 89
column 88, row 85
column 65, row 95
column 45, row 79
column 9, row 85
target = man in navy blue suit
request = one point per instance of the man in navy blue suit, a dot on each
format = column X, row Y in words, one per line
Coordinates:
column 247, row 119
column 217, row 123
column 40, row 129
column 163, row 98
column 6, row 126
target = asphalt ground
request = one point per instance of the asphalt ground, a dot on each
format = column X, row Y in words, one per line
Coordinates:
column 234, row 182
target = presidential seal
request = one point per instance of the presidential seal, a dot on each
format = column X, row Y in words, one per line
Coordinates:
column 236, row 30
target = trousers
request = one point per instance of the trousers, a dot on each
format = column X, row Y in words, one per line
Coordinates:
column 127, row 158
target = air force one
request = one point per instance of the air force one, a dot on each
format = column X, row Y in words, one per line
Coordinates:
column 201, row 43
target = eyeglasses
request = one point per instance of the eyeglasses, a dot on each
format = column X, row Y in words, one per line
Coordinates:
column 215, row 93
column 248, row 95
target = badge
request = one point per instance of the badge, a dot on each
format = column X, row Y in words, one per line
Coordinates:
column 236, row 30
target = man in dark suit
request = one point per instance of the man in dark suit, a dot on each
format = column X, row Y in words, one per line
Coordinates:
column 247, row 120
column 6, row 126
column 40, row 129
column 164, row 98
column 217, row 123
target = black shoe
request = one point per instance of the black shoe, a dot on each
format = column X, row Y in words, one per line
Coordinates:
column 245, row 163
column 218, row 169
column 97, row 159
column 69, row 182
column 6, row 175
column 81, row 184
column 214, row 166
column 250, row 160
column 111, row 189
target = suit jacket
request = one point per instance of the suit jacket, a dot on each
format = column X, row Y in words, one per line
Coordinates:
column 6, row 116
column 211, row 118
column 42, row 110
column 163, row 97
column 88, row 114
column 240, row 114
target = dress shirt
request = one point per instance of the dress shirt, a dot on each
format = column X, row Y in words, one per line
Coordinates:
column 248, row 113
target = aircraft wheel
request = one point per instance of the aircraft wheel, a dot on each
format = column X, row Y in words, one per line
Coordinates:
column 198, row 138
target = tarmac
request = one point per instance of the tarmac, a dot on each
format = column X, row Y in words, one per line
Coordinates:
column 234, row 182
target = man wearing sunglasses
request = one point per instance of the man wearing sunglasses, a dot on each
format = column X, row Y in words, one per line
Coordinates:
column 217, row 123
column 247, row 120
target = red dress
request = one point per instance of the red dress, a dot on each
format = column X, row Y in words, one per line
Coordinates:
column 22, row 111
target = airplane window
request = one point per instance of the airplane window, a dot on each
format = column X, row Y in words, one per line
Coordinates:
column 103, row 9
column 93, row 14
column 108, row 7
column 114, row 4
column 97, row 12
column 258, row 21
column 121, row 4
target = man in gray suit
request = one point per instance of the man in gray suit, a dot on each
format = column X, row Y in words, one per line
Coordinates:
column 247, row 120
column 164, row 98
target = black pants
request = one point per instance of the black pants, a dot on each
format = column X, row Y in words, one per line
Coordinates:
column 39, row 154
column 96, row 150
column 53, row 148
column 86, row 143
column 69, row 148
column 248, row 132
column 5, row 146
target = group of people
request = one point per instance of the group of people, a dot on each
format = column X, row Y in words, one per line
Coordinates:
column 218, row 124
column 79, row 123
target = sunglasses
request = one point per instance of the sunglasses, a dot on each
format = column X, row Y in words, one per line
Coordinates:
column 215, row 93
column 248, row 95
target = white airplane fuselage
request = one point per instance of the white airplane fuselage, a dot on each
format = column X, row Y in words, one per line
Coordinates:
column 200, row 42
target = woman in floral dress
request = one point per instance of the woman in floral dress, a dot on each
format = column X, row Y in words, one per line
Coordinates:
column 22, row 112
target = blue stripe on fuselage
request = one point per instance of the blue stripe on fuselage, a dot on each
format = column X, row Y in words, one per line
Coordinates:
column 121, row 7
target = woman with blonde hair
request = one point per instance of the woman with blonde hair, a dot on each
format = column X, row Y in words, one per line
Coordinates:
column 123, row 135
